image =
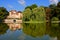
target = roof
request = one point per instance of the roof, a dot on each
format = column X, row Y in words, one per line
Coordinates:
column 19, row 12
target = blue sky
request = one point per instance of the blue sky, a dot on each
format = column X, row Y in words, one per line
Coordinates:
column 19, row 5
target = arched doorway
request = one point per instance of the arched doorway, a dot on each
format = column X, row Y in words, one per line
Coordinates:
column 14, row 20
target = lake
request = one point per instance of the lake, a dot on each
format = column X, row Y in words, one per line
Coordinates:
column 30, row 31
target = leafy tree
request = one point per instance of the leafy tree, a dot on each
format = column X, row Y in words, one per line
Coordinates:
column 39, row 13
column 48, row 13
column 52, row 6
column 58, row 10
column 28, row 7
column 53, row 10
column 26, row 14
column 3, row 13
column 36, row 14
column 32, row 6
column 58, row 5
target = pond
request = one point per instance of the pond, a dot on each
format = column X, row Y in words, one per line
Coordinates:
column 30, row 31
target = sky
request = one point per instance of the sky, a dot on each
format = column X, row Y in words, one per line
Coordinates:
column 20, row 5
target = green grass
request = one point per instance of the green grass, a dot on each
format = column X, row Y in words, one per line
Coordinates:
column 34, row 22
column 40, row 21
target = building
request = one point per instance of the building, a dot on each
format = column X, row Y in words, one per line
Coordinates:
column 14, row 17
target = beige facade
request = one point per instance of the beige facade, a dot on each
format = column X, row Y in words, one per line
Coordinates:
column 15, row 14
column 14, row 17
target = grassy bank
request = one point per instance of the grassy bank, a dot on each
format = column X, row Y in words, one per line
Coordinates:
column 41, row 21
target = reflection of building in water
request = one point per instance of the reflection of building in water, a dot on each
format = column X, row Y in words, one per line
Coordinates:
column 14, row 16
column 15, row 26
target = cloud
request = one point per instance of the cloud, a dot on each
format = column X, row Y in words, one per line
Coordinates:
column 22, row 2
column 10, row 6
column 53, row 1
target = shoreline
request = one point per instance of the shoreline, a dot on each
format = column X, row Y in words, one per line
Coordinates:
column 34, row 22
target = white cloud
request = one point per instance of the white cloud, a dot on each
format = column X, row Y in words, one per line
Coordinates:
column 10, row 6
column 22, row 2
column 54, row 1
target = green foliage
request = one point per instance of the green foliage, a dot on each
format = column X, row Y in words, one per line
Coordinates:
column 54, row 30
column 58, row 5
column 55, row 10
column 55, row 19
column 41, row 13
column 34, row 29
column 32, row 6
column 26, row 14
column 38, row 30
column 3, row 13
column 3, row 28
column 36, row 14
column 52, row 6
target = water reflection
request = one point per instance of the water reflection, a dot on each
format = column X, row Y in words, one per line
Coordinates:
column 30, row 31
column 14, row 26
column 54, row 30
column 3, row 28
column 35, row 30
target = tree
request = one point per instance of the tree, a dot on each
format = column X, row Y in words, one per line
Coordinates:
column 58, row 5
column 28, row 7
column 53, row 10
column 32, row 6
column 26, row 14
column 52, row 6
column 58, row 10
column 36, row 14
column 48, row 13
column 3, row 13
column 39, row 13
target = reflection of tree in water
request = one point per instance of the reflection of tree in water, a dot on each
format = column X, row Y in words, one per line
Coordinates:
column 34, row 29
column 3, row 28
column 53, row 30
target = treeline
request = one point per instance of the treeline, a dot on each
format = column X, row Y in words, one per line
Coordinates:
column 3, row 14
column 54, row 11
column 35, row 13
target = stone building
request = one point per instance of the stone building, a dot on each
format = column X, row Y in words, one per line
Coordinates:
column 14, row 17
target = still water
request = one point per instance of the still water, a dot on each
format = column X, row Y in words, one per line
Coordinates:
column 30, row 31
